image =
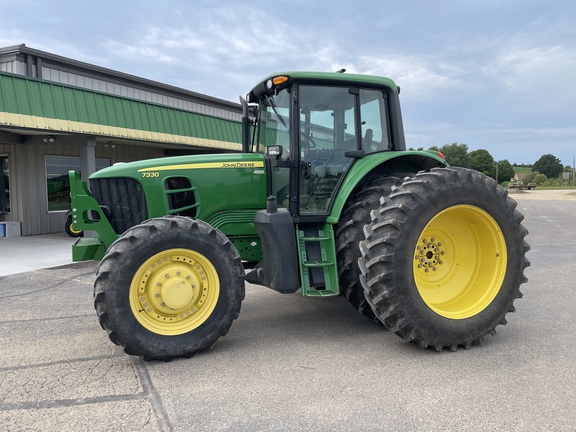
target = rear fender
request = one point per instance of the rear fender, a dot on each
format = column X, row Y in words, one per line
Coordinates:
column 382, row 165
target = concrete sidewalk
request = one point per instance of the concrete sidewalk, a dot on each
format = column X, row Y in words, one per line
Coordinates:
column 23, row 254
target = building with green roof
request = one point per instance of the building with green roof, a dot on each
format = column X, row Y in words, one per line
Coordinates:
column 57, row 114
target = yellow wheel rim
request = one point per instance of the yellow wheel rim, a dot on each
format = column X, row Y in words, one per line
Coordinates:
column 174, row 292
column 460, row 262
column 72, row 229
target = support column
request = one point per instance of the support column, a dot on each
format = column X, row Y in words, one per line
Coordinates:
column 88, row 166
column 88, row 157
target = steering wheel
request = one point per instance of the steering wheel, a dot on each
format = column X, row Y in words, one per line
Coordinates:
column 309, row 141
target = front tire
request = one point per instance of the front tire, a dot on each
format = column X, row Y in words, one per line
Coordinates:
column 443, row 258
column 168, row 288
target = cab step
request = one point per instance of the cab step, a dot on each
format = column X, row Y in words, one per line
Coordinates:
column 317, row 253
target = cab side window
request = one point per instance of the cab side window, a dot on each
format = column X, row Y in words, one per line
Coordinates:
column 374, row 115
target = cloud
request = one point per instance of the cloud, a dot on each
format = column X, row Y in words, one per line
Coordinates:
column 536, row 67
column 220, row 44
column 421, row 78
column 219, row 37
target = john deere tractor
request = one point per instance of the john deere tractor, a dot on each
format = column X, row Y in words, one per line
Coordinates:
column 324, row 197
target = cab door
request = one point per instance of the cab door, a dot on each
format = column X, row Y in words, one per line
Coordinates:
column 274, row 132
column 327, row 127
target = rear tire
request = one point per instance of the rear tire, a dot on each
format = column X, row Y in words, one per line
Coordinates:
column 444, row 257
column 168, row 288
column 350, row 232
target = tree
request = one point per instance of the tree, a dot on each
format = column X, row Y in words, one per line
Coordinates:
column 481, row 160
column 456, row 154
column 529, row 178
column 540, row 179
column 505, row 171
column 549, row 165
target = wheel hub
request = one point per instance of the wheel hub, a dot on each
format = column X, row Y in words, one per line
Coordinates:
column 176, row 293
column 429, row 254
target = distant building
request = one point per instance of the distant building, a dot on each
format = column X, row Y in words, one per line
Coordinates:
column 58, row 114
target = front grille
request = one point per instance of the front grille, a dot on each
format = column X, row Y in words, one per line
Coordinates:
column 123, row 201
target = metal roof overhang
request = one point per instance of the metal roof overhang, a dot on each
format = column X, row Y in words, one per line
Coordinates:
column 35, row 105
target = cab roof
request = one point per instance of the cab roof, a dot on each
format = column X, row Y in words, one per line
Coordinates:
column 326, row 77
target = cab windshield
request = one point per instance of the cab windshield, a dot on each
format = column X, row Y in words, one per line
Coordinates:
column 274, row 122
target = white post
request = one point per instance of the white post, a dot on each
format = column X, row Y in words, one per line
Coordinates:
column 88, row 166
column 88, row 157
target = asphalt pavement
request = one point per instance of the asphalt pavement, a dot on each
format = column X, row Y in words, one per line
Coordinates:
column 289, row 363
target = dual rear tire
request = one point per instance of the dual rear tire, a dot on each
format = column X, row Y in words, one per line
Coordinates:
column 350, row 232
column 443, row 257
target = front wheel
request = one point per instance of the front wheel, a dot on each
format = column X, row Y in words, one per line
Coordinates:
column 169, row 287
column 443, row 258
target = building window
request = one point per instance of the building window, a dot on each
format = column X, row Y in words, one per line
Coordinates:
column 4, row 185
column 58, row 183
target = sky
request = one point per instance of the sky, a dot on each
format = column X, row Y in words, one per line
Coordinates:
column 493, row 74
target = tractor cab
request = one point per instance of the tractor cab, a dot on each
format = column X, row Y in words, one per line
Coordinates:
column 312, row 129
column 314, row 126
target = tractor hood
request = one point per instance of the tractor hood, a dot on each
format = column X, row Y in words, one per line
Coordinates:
column 176, row 164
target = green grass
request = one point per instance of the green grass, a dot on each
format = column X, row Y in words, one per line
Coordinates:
column 522, row 170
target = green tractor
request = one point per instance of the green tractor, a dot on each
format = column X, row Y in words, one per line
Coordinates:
column 324, row 198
